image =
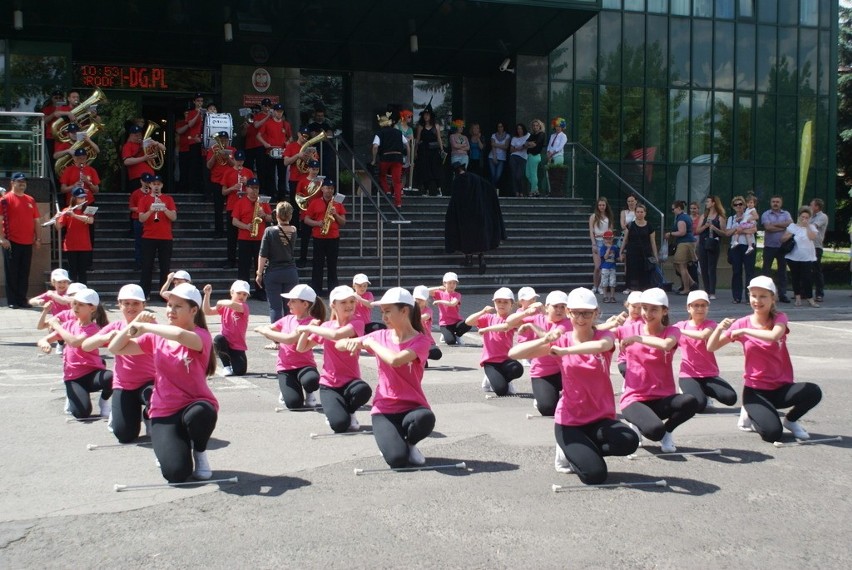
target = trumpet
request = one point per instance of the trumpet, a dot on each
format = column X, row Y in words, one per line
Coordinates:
column 83, row 116
column 257, row 219
column 65, row 160
column 156, row 155
column 302, row 164
column 311, row 190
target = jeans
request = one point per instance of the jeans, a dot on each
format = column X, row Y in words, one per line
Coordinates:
column 517, row 166
column 496, row 168
column 276, row 281
column 708, row 260
column 740, row 263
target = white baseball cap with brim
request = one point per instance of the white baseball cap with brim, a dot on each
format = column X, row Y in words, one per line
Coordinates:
column 301, row 292
column 59, row 275
column 634, row 298
column 698, row 295
column 88, row 296
column 655, row 296
column 360, row 279
column 75, row 288
column 421, row 292
column 763, row 282
column 395, row 295
column 582, row 298
column 341, row 293
column 182, row 275
column 187, row 291
column 451, row 276
column 131, row 292
column 556, row 298
column 527, row 294
column 240, row 286
column 503, row 293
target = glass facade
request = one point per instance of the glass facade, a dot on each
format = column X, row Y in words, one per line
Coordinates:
column 705, row 96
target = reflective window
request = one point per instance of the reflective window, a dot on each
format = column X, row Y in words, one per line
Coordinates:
column 562, row 61
column 655, row 123
column 610, row 42
column 788, row 12
column 723, row 56
column 821, row 152
column 679, row 48
column 701, row 118
column 725, row 9
column 746, row 8
column 723, row 127
column 658, row 6
column 767, row 11
column 585, row 117
column 825, row 63
column 743, row 184
column 745, row 56
column 325, row 92
column 788, row 57
column 656, row 56
column 586, row 45
column 744, row 125
column 633, row 123
column 702, row 59
column 560, row 100
column 614, row 4
column 764, row 131
column 609, row 122
column 809, row 12
column 679, row 125
column 702, row 8
column 634, row 5
column 808, row 50
column 766, row 58
column 786, row 143
column 680, row 7
column 634, row 49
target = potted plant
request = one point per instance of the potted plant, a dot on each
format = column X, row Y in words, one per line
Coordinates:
column 557, row 177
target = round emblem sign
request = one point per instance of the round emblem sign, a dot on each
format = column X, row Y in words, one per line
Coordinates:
column 260, row 80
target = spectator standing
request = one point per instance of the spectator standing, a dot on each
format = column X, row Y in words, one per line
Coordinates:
column 18, row 233
column 775, row 222
column 820, row 221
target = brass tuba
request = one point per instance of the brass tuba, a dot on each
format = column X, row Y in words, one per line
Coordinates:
column 301, row 164
column 156, row 157
column 65, row 160
column 82, row 116
column 310, row 191
column 218, row 149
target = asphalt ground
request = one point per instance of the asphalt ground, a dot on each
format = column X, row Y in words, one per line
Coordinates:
column 298, row 503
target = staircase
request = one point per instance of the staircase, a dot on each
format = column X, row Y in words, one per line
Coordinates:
column 547, row 247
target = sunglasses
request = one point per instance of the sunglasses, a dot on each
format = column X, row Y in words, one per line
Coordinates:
column 738, row 204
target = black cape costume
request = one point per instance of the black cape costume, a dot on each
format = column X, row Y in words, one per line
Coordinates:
column 474, row 221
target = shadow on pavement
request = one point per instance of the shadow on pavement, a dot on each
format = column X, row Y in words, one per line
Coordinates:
column 260, row 485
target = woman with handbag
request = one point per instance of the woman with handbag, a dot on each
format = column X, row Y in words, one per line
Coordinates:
column 710, row 234
column 801, row 255
column 738, row 228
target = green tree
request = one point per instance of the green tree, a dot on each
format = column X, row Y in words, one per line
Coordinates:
column 844, row 126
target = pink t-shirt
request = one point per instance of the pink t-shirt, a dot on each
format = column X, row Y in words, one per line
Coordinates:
column 130, row 372
column 696, row 361
column 447, row 315
column 399, row 389
column 55, row 308
column 527, row 335
column 649, row 374
column 495, row 345
column 288, row 357
column 363, row 313
column 620, row 334
column 586, row 389
column 76, row 361
column 339, row 368
column 426, row 320
column 767, row 364
column 548, row 364
column 234, row 326
column 181, row 373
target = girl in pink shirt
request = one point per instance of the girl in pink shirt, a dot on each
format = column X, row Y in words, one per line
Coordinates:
column 133, row 376
column 401, row 415
column 363, row 303
column 585, row 422
column 768, row 378
column 497, row 339
column 183, row 409
column 298, row 378
column 699, row 373
column 56, row 298
column 421, row 298
column 650, row 395
column 341, row 389
column 448, row 302
column 230, row 345
column 623, row 324
column 84, row 371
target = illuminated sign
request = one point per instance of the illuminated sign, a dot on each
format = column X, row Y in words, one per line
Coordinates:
column 143, row 78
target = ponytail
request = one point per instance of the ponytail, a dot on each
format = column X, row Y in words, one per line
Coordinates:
column 100, row 316
column 317, row 310
column 200, row 321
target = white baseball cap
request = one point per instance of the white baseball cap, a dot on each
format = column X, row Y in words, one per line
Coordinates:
column 395, row 295
column 301, row 292
column 182, row 275
column 527, row 294
column 582, row 298
column 59, row 275
column 503, row 293
column 451, row 276
column 556, row 298
column 240, row 286
column 341, row 293
column 421, row 292
column 88, row 296
column 187, row 291
column 655, row 296
column 74, row 288
column 131, row 292
column 634, row 298
column 698, row 295
column 360, row 279
column 763, row 282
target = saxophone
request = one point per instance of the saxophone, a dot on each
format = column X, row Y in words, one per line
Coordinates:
column 328, row 218
column 257, row 219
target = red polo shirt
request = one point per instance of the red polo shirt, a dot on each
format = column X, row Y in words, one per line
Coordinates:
column 19, row 217
column 244, row 212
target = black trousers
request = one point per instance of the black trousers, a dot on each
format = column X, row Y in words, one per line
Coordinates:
column 274, row 178
column 247, row 252
column 175, row 437
column 215, row 190
column 162, row 250
column 79, row 263
column 325, row 253
column 195, row 178
column 17, row 261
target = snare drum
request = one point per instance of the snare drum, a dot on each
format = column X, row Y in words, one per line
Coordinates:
column 276, row 152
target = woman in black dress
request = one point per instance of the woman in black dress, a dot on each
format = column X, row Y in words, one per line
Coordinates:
column 428, row 153
column 639, row 245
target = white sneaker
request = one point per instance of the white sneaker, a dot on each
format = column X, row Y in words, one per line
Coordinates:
column 638, row 433
column 798, row 431
column 68, row 406
column 486, row 384
column 109, row 424
column 202, row 466
column 710, row 404
column 353, row 423
column 147, row 423
column 311, row 400
column 561, row 463
column 105, row 407
column 415, row 456
column 512, row 389
column 525, row 363
column 58, row 349
column 459, row 341
column 228, row 371
column 441, row 340
column 744, row 423
column 667, row 443
column 281, row 399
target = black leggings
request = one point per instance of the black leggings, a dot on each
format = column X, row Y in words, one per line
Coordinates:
column 339, row 404
column 585, row 446
column 175, row 437
column 435, row 353
column 647, row 415
column 236, row 359
column 761, row 406
column 128, row 409
column 293, row 382
column 450, row 332
column 546, row 392
column 712, row 386
column 501, row 373
column 78, row 391
column 395, row 432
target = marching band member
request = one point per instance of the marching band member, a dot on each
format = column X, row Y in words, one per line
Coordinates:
column 250, row 142
column 134, row 158
column 233, row 188
column 330, row 215
column 133, row 205
column 292, row 153
column 220, row 159
column 273, row 136
column 77, row 243
column 61, row 147
column 56, row 108
column 157, row 212
column 230, row 345
column 80, row 175
column 304, row 229
column 250, row 217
